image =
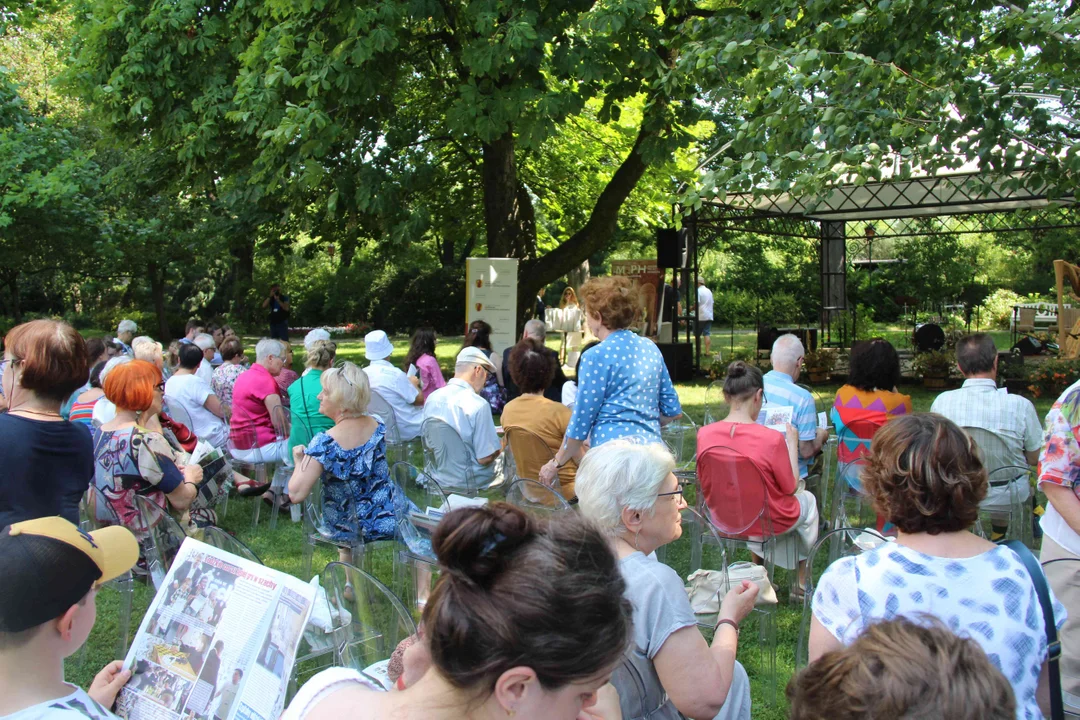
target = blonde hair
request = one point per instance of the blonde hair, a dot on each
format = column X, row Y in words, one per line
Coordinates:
column 320, row 354
column 347, row 387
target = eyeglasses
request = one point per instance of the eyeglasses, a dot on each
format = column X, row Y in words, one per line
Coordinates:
column 679, row 491
column 160, row 386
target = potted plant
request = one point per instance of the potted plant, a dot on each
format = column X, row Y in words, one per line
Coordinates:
column 818, row 364
column 934, row 367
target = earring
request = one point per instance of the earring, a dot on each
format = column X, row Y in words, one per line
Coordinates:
column 511, row 712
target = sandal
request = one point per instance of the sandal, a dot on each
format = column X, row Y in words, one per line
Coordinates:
column 247, row 487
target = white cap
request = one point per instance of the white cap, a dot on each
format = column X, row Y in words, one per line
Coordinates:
column 314, row 336
column 475, row 355
column 377, row 346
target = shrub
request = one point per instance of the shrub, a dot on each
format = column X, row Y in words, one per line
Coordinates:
column 408, row 299
column 1052, row 377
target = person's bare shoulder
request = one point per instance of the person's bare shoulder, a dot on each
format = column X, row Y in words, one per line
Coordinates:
column 352, row 702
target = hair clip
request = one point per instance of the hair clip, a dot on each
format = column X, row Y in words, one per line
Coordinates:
column 491, row 543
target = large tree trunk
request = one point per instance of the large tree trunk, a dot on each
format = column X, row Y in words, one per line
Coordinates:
column 243, row 251
column 501, row 197
column 157, row 293
column 578, row 276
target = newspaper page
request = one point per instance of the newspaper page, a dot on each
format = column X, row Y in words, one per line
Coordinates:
column 776, row 417
column 218, row 641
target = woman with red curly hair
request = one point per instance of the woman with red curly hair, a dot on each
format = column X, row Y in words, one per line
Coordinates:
column 48, row 462
column 924, row 475
column 129, row 458
column 624, row 388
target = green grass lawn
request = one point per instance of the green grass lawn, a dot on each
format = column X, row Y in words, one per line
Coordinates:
column 282, row 548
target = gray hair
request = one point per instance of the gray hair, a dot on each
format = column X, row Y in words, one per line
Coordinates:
column 786, row 350
column 267, row 347
column 113, row 362
column 127, row 326
column 463, row 367
column 204, row 341
column 621, row 474
column 536, row 329
column 146, row 348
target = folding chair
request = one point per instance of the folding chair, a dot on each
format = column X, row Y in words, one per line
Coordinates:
column 447, row 459
column 164, row 537
column 716, row 408
column 1003, row 472
column 840, row 542
column 536, row 498
column 213, row 535
column 378, row 620
column 96, row 512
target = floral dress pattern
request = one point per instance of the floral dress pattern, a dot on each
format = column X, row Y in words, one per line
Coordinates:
column 358, row 498
column 493, row 392
column 223, row 380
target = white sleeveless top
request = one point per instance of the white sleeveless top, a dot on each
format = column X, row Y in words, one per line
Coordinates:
column 321, row 686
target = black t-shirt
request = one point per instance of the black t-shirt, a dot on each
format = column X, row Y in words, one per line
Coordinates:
column 47, row 466
column 554, row 391
column 278, row 313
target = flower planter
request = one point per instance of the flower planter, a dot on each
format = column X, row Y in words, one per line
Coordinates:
column 935, row 381
column 818, row 376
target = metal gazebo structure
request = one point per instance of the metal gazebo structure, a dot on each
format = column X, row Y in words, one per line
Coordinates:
column 944, row 204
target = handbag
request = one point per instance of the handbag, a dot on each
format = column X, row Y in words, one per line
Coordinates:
column 1053, row 645
column 707, row 587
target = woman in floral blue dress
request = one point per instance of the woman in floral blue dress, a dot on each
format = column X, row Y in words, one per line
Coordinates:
column 350, row 458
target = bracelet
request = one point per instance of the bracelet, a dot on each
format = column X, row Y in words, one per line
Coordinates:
column 727, row 621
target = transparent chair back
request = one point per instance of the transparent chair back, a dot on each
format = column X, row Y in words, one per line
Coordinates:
column 733, row 494
column 164, row 537
column 213, row 535
column 446, row 457
column 528, row 452
column 831, row 546
column 370, row 624
column 316, row 531
column 95, row 512
column 380, row 408
column 536, row 498
column 179, row 414
column 994, row 453
column 414, row 495
column 680, row 436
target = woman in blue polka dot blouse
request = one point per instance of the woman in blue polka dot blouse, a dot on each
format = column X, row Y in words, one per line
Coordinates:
column 624, row 389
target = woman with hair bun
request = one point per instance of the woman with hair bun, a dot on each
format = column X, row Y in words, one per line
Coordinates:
column 528, row 620
column 624, row 388
column 792, row 511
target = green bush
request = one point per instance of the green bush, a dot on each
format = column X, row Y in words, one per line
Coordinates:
column 997, row 309
column 436, row 297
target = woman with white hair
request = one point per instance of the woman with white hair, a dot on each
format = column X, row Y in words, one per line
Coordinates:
column 351, row 460
column 628, row 489
column 259, row 423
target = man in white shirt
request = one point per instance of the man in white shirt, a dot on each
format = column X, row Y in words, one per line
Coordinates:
column 459, row 405
column 704, row 313
column 1012, row 418
column 205, row 342
column 187, row 390
column 394, row 386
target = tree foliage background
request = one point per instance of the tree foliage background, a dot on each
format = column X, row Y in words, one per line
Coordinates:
column 173, row 158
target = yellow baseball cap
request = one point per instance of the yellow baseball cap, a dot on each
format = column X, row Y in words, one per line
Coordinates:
column 48, row 565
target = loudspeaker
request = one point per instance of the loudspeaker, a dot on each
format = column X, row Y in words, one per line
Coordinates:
column 1028, row 345
column 671, row 248
column 679, row 358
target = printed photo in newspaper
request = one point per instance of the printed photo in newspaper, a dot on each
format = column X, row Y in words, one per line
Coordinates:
column 219, row 640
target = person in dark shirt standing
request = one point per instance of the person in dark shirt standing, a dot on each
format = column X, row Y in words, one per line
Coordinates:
column 48, row 462
column 279, row 312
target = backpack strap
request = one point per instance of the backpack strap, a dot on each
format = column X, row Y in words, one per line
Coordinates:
column 1038, row 578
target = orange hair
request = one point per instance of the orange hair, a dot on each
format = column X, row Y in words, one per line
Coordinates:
column 614, row 299
column 51, row 356
column 131, row 385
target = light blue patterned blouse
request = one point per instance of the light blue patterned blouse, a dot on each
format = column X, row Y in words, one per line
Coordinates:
column 623, row 390
column 989, row 598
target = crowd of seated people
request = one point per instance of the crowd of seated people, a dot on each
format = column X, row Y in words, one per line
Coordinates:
column 581, row 599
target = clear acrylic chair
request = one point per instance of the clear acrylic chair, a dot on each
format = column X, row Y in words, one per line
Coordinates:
column 447, row 459
column 525, row 453
column 835, row 544
column 716, row 408
column 536, row 498
column 415, row 564
column 397, row 450
column 163, row 538
column 247, row 458
column 1003, row 472
column 376, row 620
column 317, row 532
column 96, row 512
column 215, row 536
column 680, row 436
